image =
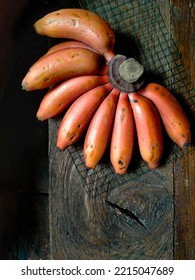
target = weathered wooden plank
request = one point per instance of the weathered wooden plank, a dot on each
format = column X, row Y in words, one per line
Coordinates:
column 184, row 181
column 130, row 221
column 183, row 30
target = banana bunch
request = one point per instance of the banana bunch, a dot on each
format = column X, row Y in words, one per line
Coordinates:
column 103, row 94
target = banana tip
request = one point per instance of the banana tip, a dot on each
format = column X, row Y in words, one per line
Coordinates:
column 39, row 118
column 60, row 145
column 37, row 27
column 153, row 165
column 186, row 144
column 24, row 86
column 90, row 165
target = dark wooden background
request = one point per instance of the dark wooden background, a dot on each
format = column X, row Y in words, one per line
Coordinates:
column 42, row 216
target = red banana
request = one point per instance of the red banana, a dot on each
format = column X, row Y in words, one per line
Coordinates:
column 99, row 131
column 123, row 135
column 63, row 94
column 148, row 127
column 79, row 115
column 81, row 25
column 63, row 65
column 173, row 117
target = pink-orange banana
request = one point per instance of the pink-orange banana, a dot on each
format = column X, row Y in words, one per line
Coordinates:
column 81, row 25
column 63, row 94
column 173, row 117
column 99, row 130
column 62, row 65
column 148, row 127
column 79, row 115
column 123, row 135
column 68, row 45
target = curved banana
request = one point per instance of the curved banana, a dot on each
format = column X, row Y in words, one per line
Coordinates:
column 62, row 65
column 123, row 135
column 63, row 94
column 173, row 117
column 148, row 126
column 81, row 25
column 79, row 115
column 99, row 130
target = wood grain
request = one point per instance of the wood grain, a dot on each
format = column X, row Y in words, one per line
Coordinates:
column 132, row 221
column 183, row 30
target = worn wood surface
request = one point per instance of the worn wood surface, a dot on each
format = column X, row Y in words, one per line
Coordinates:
column 183, row 30
column 133, row 221
column 149, row 217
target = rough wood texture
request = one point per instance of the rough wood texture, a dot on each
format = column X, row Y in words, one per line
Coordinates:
column 183, row 30
column 146, row 218
column 133, row 221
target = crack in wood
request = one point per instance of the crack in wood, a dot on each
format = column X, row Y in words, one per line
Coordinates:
column 126, row 212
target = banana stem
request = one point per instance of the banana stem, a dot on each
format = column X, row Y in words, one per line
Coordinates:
column 109, row 55
column 125, row 74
